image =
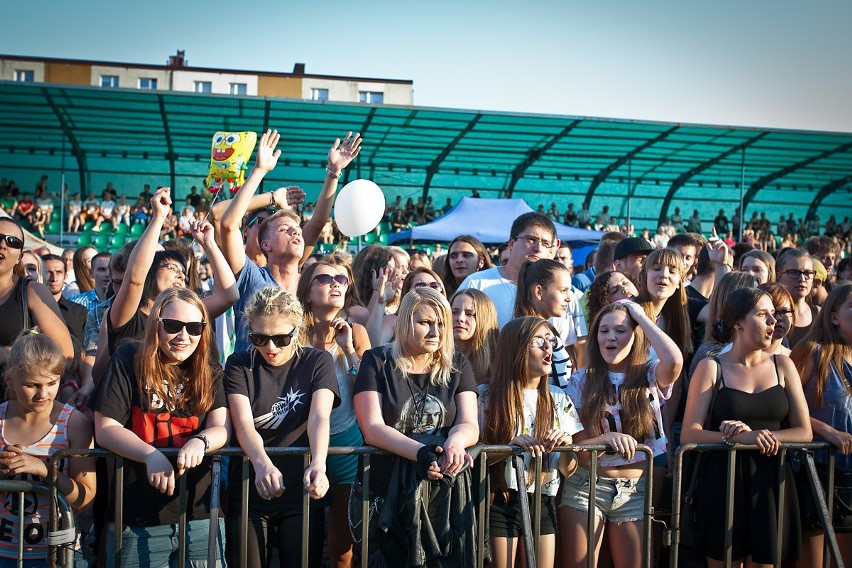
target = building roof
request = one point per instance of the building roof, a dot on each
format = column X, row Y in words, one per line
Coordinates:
column 429, row 151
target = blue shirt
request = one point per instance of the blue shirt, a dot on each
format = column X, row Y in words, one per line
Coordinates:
column 251, row 279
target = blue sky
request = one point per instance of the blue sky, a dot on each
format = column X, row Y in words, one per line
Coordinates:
column 776, row 63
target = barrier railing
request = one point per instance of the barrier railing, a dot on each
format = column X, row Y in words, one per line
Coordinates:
column 824, row 505
column 61, row 536
column 61, row 518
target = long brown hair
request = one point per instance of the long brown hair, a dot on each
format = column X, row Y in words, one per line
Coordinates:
column 504, row 412
column 82, row 273
column 825, row 342
column 637, row 418
column 450, row 282
column 674, row 312
column 154, row 375
column 542, row 273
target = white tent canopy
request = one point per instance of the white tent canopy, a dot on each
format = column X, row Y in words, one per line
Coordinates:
column 489, row 220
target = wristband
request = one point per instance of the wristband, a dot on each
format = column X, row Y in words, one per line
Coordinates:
column 331, row 174
column 203, row 438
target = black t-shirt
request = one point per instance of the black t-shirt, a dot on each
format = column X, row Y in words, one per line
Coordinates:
column 280, row 399
column 411, row 406
column 119, row 397
column 74, row 315
column 133, row 329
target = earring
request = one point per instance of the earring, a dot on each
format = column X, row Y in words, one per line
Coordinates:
column 739, row 327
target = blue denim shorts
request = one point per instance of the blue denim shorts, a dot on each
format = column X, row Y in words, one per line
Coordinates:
column 157, row 546
column 617, row 499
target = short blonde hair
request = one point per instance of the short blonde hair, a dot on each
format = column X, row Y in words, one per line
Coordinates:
column 276, row 301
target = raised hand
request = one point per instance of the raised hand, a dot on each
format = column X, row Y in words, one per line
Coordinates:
column 202, row 231
column 343, row 334
column 267, row 156
column 341, row 154
column 288, row 196
column 161, row 202
column 383, row 283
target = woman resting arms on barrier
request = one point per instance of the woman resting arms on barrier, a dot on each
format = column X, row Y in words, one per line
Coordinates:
column 164, row 391
column 413, row 397
column 280, row 394
column 824, row 358
column 33, row 427
column 323, row 289
column 759, row 401
column 519, row 406
column 619, row 395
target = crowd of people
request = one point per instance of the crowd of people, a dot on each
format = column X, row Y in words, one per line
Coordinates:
column 238, row 335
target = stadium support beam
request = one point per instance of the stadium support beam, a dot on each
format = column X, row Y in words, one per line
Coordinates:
column 76, row 150
column 689, row 174
column 436, row 163
column 171, row 149
column 364, row 128
column 535, row 155
column 825, row 191
column 601, row 176
column 783, row 172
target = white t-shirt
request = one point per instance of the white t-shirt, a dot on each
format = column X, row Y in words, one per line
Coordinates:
column 502, row 292
column 565, row 419
column 612, row 413
column 107, row 206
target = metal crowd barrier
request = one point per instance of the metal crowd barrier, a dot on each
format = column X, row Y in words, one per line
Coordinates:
column 824, row 503
column 61, row 535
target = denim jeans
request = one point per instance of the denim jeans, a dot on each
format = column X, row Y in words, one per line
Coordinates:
column 79, row 562
column 157, row 546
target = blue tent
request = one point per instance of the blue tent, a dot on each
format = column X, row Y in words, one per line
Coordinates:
column 489, row 220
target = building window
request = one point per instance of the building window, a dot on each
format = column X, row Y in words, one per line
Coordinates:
column 203, row 87
column 24, row 75
column 110, row 81
column 371, row 97
column 239, row 89
column 319, row 94
column 148, row 83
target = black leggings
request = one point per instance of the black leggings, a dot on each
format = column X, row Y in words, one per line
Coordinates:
column 279, row 528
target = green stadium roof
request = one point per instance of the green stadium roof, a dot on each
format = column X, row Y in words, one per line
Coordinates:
column 133, row 137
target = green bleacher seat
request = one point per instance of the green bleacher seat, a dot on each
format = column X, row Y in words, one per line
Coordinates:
column 88, row 226
column 136, row 230
column 54, row 226
column 122, row 229
column 84, row 239
column 102, row 241
column 118, row 240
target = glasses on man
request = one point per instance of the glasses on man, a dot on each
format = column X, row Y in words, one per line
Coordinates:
column 533, row 241
column 540, row 342
column 194, row 328
column 433, row 285
column 282, row 340
column 12, row 241
column 796, row 274
column 327, row 279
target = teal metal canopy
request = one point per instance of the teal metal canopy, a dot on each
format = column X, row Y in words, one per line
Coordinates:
column 131, row 137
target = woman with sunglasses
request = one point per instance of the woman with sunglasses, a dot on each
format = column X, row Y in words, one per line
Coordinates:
column 280, row 394
column 322, row 290
column 619, row 395
column 150, row 271
column 544, row 290
column 519, row 406
column 164, row 391
column 42, row 308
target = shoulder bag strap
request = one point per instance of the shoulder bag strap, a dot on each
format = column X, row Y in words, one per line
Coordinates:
column 25, row 303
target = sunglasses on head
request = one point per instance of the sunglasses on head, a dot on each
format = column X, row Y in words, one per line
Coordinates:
column 175, row 326
column 261, row 340
column 12, row 241
column 327, row 279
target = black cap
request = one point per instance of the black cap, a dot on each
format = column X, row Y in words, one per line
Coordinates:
column 631, row 245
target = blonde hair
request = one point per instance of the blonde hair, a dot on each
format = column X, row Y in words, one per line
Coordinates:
column 442, row 359
column 33, row 353
column 484, row 341
column 276, row 301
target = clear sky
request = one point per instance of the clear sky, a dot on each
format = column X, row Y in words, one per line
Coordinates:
column 778, row 63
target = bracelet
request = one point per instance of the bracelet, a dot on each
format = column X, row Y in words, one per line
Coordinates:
column 203, row 438
column 353, row 370
column 271, row 198
column 330, row 173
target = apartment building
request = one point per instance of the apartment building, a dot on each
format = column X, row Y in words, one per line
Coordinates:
column 178, row 75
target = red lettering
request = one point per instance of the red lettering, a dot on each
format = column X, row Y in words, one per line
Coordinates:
column 162, row 430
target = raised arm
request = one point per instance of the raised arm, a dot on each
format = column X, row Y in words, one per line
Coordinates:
column 671, row 359
column 340, row 155
column 225, row 293
column 281, row 197
column 232, row 218
column 129, row 296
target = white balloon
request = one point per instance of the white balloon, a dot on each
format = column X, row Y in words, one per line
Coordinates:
column 359, row 207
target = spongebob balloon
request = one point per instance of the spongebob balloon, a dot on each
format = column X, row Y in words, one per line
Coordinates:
column 228, row 160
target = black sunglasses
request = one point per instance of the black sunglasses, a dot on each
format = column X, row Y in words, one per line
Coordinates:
column 175, row 326
column 327, row 279
column 260, row 340
column 433, row 285
column 12, row 241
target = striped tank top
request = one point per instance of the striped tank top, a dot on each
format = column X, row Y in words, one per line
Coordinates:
column 35, row 505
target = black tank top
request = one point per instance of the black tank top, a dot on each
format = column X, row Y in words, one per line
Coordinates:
column 12, row 314
column 760, row 410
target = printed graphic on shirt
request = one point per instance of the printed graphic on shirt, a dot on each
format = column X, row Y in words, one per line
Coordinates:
column 280, row 410
column 421, row 415
column 161, row 429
